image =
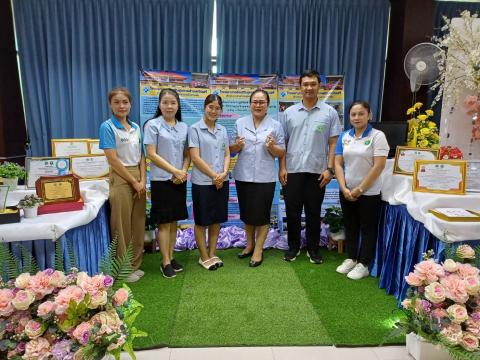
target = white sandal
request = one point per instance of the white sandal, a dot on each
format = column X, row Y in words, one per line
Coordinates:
column 208, row 264
column 217, row 261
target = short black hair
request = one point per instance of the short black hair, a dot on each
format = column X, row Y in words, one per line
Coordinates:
column 310, row 73
column 260, row 91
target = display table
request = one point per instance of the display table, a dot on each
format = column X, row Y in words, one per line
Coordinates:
column 87, row 229
column 397, row 190
column 407, row 230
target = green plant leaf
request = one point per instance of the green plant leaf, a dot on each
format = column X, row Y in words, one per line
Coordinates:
column 107, row 260
column 29, row 263
column 122, row 267
column 10, row 266
column 72, row 261
column 59, row 256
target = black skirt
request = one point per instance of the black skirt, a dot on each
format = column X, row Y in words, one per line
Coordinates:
column 210, row 206
column 169, row 202
column 255, row 200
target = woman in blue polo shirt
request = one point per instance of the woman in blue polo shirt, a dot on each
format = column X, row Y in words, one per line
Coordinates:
column 121, row 141
column 258, row 140
column 208, row 143
column 166, row 142
column 360, row 158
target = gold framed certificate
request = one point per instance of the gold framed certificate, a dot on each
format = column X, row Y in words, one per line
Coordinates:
column 89, row 167
column 456, row 214
column 93, row 147
column 57, row 189
column 45, row 166
column 440, row 176
column 473, row 176
column 405, row 157
column 69, row 147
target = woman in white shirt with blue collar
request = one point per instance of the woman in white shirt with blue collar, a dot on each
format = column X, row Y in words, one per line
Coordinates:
column 121, row 141
column 360, row 158
column 166, row 142
column 258, row 140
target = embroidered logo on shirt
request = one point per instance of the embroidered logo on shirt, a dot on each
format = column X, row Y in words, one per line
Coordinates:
column 124, row 140
column 320, row 128
column 367, row 142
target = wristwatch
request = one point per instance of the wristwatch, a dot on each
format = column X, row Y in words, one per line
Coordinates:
column 331, row 171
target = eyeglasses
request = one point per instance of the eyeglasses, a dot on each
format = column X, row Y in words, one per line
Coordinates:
column 259, row 102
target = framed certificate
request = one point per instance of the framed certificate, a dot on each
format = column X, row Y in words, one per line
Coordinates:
column 58, row 189
column 93, row 147
column 90, row 167
column 405, row 157
column 45, row 166
column 3, row 197
column 440, row 176
column 473, row 176
column 456, row 214
column 69, row 147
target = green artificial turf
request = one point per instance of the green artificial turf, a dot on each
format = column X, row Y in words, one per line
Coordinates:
column 278, row 303
column 354, row 312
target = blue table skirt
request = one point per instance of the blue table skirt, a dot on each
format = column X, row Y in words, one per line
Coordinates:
column 90, row 243
column 401, row 243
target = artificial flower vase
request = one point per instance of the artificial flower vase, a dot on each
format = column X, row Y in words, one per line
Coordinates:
column 30, row 212
column 340, row 235
column 11, row 183
column 149, row 236
column 420, row 349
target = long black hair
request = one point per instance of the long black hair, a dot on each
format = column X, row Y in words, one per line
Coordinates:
column 169, row 91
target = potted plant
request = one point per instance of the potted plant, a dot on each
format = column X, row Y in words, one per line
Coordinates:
column 334, row 218
column 30, row 204
column 10, row 173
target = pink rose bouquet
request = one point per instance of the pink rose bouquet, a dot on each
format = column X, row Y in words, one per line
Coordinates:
column 443, row 302
column 51, row 315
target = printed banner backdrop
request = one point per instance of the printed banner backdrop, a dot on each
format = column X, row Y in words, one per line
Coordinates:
column 235, row 90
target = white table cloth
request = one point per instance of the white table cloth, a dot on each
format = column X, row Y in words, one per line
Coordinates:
column 53, row 226
column 397, row 190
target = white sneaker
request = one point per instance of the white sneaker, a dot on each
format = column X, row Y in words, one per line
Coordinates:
column 132, row 278
column 347, row 265
column 359, row 272
column 139, row 273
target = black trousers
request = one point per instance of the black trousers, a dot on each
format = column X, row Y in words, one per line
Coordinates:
column 361, row 217
column 303, row 191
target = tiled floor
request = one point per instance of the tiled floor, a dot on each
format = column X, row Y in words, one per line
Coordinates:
column 275, row 353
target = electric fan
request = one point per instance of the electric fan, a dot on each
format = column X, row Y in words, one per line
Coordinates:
column 420, row 65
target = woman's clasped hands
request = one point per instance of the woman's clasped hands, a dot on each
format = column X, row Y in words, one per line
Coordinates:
column 179, row 177
column 219, row 179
